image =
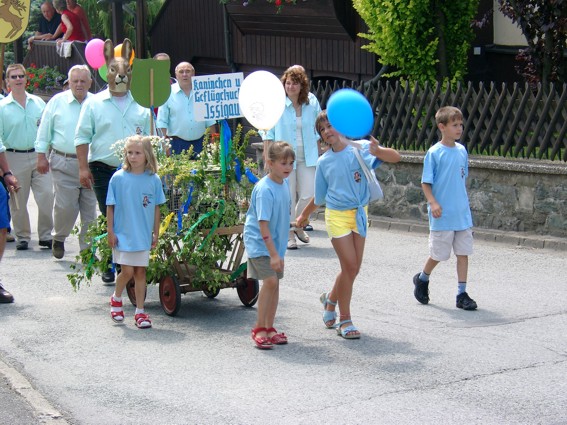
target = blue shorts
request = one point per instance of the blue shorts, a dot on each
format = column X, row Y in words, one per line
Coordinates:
column 4, row 209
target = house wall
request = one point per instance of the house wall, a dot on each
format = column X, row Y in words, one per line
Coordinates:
column 506, row 32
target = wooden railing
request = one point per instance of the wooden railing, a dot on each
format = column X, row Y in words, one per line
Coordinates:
column 44, row 53
column 511, row 121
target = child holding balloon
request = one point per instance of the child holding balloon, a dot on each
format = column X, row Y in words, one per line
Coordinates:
column 340, row 183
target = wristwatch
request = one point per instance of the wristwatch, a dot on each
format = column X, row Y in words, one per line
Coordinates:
column 8, row 173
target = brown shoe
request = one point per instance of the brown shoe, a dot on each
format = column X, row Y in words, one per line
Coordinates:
column 5, row 296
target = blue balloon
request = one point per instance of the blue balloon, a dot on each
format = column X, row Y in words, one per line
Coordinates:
column 350, row 113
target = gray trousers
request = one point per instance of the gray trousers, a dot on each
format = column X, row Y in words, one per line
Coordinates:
column 70, row 199
column 23, row 165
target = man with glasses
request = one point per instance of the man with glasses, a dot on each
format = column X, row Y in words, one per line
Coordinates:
column 176, row 119
column 57, row 132
column 20, row 114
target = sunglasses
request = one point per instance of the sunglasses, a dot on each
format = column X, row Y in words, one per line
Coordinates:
column 20, row 76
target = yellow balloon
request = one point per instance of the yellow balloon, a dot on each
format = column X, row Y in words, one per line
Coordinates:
column 118, row 53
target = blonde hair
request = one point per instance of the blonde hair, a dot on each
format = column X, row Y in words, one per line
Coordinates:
column 280, row 150
column 448, row 114
column 146, row 143
column 14, row 66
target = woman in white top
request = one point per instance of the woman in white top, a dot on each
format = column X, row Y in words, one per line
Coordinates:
column 297, row 127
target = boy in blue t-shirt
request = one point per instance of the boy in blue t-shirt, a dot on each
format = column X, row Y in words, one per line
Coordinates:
column 445, row 169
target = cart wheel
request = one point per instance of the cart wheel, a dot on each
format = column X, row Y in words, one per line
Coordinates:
column 211, row 294
column 248, row 290
column 132, row 292
column 170, row 295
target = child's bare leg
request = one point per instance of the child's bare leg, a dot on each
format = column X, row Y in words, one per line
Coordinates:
column 126, row 273
column 350, row 250
column 430, row 264
column 140, row 286
column 462, row 267
column 267, row 303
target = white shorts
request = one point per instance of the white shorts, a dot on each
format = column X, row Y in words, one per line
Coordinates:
column 441, row 242
column 131, row 258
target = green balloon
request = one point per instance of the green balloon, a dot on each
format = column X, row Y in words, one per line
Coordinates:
column 102, row 72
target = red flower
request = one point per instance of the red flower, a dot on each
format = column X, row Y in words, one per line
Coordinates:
column 33, row 65
column 36, row 85
column 278, row 2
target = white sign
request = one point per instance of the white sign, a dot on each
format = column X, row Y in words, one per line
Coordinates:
column 216, row 96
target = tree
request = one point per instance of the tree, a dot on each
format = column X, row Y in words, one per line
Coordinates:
column 544, row 25
column 424, row 40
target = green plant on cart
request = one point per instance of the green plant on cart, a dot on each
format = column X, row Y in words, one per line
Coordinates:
column 213, row 204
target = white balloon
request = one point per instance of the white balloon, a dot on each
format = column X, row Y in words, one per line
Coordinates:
column 262, row 99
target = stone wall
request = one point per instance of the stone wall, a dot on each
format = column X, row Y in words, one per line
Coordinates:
column 506, row 195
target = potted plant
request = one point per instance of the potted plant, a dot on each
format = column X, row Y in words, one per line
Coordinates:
column 45, row 80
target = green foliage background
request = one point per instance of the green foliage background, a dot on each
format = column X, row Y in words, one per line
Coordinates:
column 424, row 40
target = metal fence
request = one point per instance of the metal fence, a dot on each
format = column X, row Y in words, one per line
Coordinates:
column 513, row 121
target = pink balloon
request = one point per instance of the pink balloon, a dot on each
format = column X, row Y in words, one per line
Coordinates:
column 94, row 52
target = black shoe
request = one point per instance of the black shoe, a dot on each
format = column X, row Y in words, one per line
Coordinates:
column 108, row 276
column 5, row 296
column 421, row 291
column 46, row 244
column 58, row 249
column 308, row 228
column 22, row 245
column 465, row 302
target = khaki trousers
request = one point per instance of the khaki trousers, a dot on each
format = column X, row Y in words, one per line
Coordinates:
column 23, row 165
column 70, row 199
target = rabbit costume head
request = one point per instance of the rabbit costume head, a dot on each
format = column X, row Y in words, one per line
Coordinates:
column 119, row 74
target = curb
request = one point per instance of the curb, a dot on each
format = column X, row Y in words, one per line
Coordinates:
column 42, row 409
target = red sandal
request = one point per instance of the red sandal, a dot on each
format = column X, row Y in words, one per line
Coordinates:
column 278, row 338
column 261, row 342
column 143, row 320
column 116, row 312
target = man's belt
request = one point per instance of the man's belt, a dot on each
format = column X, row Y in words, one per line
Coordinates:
column 66, row 155
column 20, row 151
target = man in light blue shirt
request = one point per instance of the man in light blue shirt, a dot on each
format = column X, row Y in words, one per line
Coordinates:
column 175, row 118
column 20, row 114
column 57, row 132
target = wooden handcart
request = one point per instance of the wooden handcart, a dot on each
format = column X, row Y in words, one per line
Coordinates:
column 181, row 279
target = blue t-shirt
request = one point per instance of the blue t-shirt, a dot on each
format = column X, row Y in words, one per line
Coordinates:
column 340, row 183
column 134, row 197
column 270, row 202
column 446, row 170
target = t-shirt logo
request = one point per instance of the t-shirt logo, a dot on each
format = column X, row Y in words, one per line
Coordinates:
column 462, row 172
column 146, row 201
column 357, row 177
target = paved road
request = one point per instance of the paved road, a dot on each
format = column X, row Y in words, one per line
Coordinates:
column 63, row 361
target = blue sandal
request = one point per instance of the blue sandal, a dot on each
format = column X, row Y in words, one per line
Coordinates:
column 328, row 316
column 346, row 331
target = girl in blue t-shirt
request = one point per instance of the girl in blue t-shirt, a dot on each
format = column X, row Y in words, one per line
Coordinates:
column 132, row 213
column 340, row 183
column 265, row 238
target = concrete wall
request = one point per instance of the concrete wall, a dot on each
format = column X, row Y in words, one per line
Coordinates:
column 506, row 195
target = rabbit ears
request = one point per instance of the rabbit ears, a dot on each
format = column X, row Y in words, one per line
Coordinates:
column 109, row 50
